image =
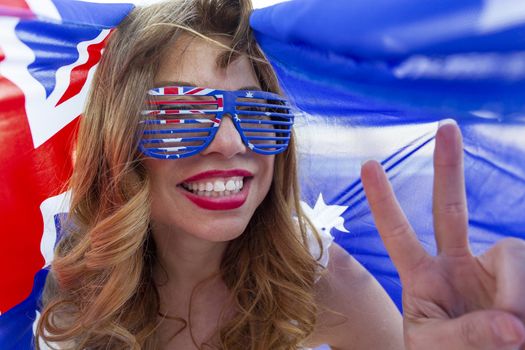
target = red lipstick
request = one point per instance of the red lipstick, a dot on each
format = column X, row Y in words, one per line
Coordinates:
column 218, row 203
column 228, row 202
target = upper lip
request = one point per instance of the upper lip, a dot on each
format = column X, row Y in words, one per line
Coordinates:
column 218, row 173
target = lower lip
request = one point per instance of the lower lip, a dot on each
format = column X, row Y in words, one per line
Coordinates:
column 230, row 202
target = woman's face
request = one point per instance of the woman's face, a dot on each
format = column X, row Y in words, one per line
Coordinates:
column 190, row 195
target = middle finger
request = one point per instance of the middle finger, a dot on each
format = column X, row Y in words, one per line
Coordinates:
column 449, row 198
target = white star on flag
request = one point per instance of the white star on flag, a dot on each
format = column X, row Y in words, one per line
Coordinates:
column 325, row 217
column 249, row 94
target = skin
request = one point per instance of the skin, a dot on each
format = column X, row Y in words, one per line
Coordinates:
column 355, row 311
column 191, row 240
column 451, row 301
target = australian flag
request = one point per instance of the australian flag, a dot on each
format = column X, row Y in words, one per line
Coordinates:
column 370, row 79
column 48, row 52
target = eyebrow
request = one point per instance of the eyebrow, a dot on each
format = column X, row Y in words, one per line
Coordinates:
column 185, row 83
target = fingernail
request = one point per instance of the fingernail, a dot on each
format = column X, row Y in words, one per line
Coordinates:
column 372, row 169
column 448, row 121
column 504, row 328
column 364, row 161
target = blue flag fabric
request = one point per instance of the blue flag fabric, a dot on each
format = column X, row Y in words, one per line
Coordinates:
column 447, row 57
column 370, row 79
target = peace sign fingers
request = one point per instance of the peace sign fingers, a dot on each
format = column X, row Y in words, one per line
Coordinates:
column 449, row 204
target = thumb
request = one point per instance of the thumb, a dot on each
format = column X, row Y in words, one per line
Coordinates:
column 480, row 330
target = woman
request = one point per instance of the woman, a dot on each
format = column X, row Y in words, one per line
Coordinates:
column 210, row 248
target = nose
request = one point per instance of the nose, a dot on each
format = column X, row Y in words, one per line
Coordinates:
column 227, row 140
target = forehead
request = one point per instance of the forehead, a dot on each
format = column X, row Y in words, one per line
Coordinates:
column 193, row 60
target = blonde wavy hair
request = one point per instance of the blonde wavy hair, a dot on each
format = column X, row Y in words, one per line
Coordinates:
column 100, row 293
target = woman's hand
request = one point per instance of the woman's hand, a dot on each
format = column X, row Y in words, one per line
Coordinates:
column 453, row 300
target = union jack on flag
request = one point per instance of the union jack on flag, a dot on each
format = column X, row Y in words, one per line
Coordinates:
column 48, row 52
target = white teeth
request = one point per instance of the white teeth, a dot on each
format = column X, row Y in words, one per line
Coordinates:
column 217, row 188
column 230, row 185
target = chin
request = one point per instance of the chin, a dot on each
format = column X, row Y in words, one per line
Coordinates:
column 222, row 230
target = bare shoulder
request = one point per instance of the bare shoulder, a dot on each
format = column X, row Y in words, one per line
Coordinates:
column 354, row 310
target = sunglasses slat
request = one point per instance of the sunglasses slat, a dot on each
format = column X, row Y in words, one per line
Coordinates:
column 263, row 121
column 266, row 114
column 173, row 149
column 154, row 112
column 181, row 139
column 260, row 104
column 258, row 95
column 182, row 102
column 179, row 121
column 268, row 138
column 269, row 152
column 178, row 130
column 271, row 145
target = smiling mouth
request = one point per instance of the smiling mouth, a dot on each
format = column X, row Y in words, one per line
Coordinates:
column 217, row 187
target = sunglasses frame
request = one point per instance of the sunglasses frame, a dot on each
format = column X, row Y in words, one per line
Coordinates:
column 226, row 104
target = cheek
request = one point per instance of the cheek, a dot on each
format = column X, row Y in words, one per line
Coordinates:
column 159, row 189
column 166, row 211
column 157, row 201
column 269, row 163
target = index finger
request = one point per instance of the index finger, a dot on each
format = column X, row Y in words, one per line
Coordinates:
column 398, row 236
